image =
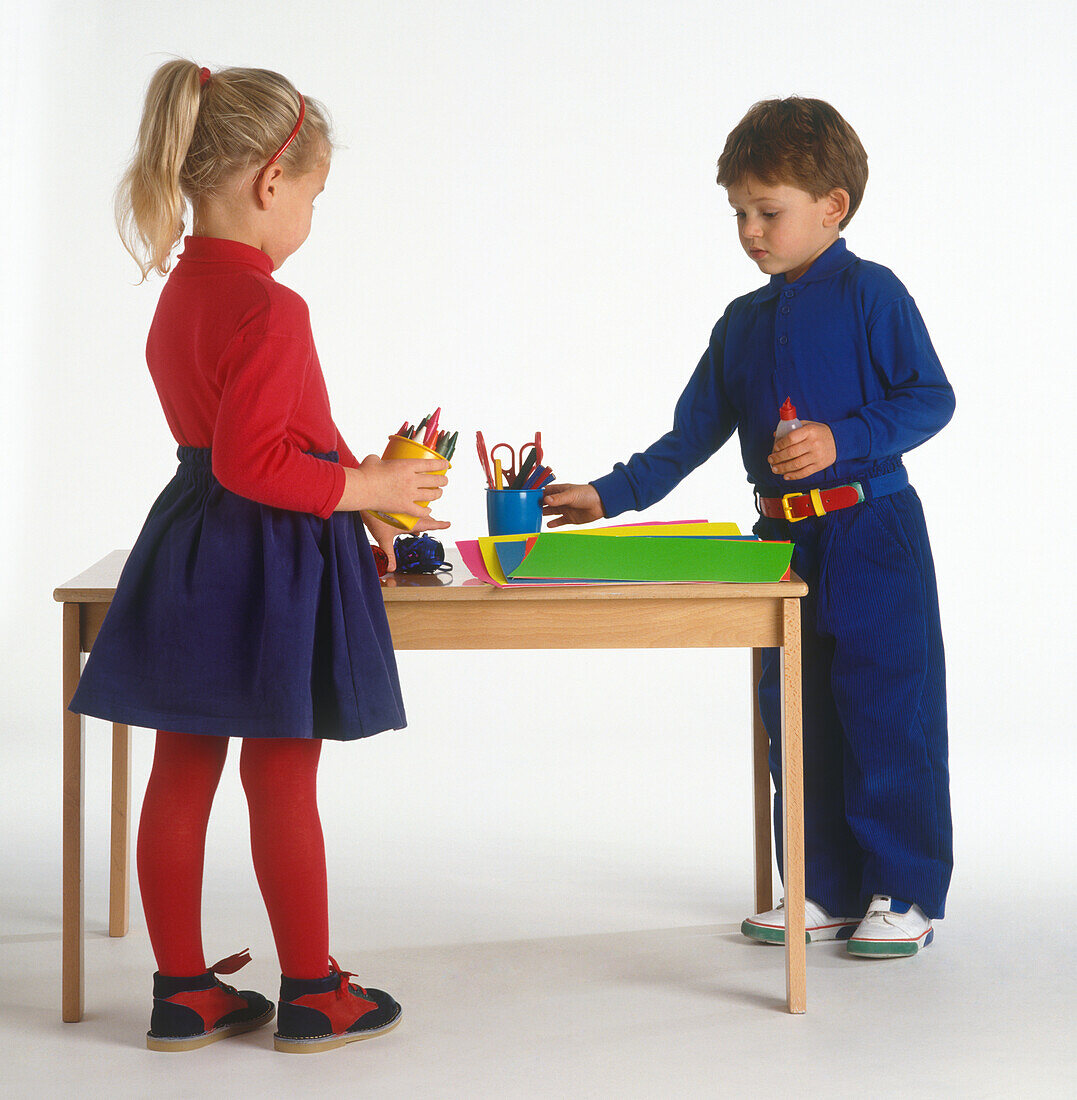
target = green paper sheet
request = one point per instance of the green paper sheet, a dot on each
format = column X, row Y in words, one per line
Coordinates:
column 646, row 558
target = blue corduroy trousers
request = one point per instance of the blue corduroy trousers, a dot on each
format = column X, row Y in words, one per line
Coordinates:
column 876, row 778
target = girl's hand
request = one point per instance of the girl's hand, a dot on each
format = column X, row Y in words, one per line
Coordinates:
column 429, row 524
column 572, row 504
column 804, row 451
column 383, row 533
column 395, row 485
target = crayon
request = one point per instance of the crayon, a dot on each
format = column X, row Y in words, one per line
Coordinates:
column 432, row 428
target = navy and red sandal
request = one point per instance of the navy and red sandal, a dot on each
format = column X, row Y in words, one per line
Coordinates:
column 191, row 1012
column 324, row 1013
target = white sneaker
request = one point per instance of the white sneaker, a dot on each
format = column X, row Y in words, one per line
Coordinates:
column 884, row 934
column 818, row 925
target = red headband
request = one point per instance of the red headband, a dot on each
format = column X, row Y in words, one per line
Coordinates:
column 291, row 137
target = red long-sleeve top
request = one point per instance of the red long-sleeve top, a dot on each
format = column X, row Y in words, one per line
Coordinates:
column 233, row 359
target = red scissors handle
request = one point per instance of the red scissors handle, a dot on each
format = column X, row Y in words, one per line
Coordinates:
column 511, row 468
column 508, row 469
column 484, row 459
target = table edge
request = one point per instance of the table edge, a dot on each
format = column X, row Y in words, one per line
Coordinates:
column 792, row 588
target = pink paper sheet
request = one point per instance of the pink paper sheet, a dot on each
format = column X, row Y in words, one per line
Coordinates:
column 469, row 551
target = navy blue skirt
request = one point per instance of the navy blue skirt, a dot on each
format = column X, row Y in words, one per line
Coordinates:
column 237, row 619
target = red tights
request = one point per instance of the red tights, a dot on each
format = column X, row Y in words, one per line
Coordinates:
column 279, row 777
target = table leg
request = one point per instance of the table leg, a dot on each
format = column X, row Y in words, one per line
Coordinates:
column 793, row 808
column 74, row 736
column 761, row 800
column 119, row 893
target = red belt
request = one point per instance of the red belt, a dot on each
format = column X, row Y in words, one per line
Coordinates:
column 816, row 502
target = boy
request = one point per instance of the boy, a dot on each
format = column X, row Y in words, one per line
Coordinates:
column 843, row 339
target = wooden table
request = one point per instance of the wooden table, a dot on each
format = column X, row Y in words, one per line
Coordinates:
column 447, row 611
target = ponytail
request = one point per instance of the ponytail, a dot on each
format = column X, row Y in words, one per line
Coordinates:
column 150, row 206
column 198, row 130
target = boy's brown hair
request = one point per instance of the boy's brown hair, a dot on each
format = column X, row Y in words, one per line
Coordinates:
column 797, row 141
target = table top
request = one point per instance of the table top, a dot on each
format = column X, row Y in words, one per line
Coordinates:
column 98, row 584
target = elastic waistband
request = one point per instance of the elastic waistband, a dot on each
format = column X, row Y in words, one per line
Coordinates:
column 195, row 458
column 198, row 461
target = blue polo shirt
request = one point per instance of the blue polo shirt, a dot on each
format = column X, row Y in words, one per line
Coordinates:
column 845, row 341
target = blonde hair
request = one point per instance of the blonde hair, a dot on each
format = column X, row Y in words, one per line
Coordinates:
column 195, row 135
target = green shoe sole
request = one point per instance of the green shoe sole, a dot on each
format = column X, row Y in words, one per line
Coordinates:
column 881, row 949
column 767, row 935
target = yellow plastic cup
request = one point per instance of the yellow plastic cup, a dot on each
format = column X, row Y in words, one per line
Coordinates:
column 400, row 446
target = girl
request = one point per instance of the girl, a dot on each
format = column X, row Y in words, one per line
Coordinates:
column 250, row 605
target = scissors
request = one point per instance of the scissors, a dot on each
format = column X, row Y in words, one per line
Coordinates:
column 484, row 459
column 513, row 471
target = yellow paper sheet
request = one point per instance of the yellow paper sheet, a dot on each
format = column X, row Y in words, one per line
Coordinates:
column 489, row 555
column 664, row 529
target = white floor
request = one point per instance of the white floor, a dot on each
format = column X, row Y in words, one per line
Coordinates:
column 683, row 1012
column 557, row 911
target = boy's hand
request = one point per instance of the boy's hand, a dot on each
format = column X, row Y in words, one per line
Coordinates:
column 804, row 451
column 572, row 504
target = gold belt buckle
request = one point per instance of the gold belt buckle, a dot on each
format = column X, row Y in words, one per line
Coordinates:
column 816, row 503
column 787, row 509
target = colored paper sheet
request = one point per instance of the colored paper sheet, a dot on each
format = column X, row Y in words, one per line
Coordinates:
column 651, row 523
column 489, row 559
column 489, row 555
column 472, row 555
column 481, row 557
column 510, row 555
column 493, row 568
column 657, row 560
column 661, row 529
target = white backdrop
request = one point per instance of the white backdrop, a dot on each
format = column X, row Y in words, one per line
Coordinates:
column 522, row 226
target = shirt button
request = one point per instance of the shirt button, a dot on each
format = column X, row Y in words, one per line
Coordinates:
column 788, row 293
column 783, row 339
column 785, row 309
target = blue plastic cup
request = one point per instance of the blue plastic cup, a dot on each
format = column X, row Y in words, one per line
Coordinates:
column 514, row 511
